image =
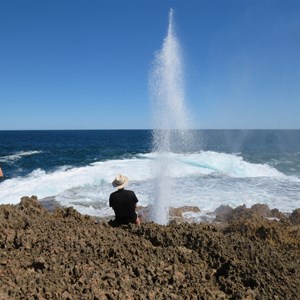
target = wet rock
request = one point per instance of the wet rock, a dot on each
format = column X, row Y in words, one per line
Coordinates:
column 277, row 214
column 295, row 217
column 262, row 210
column 223, row 213
column 176, row 212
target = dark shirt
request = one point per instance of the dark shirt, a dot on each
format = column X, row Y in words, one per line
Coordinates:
column 123, row 203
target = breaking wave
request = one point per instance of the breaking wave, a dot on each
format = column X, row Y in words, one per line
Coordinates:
column 206, row 179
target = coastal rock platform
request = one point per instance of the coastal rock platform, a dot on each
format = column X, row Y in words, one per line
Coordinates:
column 244, row 254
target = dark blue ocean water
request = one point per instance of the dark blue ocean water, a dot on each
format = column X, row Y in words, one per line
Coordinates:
column 217, row 167
column 56, row 148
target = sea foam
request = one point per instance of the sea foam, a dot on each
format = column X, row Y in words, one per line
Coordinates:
column 205, row 179
column 18, row 155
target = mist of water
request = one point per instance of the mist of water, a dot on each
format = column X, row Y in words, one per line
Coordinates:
column 169, row 116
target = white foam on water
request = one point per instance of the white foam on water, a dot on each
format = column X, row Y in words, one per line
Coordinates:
column 64, row 179
column 204, row 179
column 209, row 162
column 18, row 155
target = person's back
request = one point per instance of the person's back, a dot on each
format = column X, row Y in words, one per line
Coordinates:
column 123, row 202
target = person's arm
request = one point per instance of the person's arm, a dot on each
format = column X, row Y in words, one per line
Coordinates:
column 1, row 173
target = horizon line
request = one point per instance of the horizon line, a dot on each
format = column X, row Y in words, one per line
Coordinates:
column 147, row 129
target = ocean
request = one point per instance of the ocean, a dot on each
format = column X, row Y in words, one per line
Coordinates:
column 220, row 167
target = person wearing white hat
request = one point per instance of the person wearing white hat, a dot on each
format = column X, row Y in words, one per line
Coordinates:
column 123, row 202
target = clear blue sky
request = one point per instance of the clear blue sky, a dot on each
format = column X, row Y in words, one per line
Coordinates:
column 85, row 64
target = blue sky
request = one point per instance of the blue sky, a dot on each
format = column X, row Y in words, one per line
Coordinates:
column 85, row 64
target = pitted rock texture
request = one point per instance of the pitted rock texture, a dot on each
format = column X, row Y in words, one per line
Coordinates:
column 65, row 255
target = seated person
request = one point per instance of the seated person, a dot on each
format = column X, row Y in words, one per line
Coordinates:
column 123, row 202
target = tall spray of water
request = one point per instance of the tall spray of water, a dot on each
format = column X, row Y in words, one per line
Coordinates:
column 169, row 117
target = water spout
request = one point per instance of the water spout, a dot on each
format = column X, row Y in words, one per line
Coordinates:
column 169, row 117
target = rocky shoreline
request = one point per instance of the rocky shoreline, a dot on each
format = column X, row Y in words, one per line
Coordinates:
column 246, row 253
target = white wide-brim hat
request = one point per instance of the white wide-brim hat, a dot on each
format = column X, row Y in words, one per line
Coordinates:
column 120, row 181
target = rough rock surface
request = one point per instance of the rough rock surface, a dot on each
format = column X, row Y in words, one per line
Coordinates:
column 65, row 255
